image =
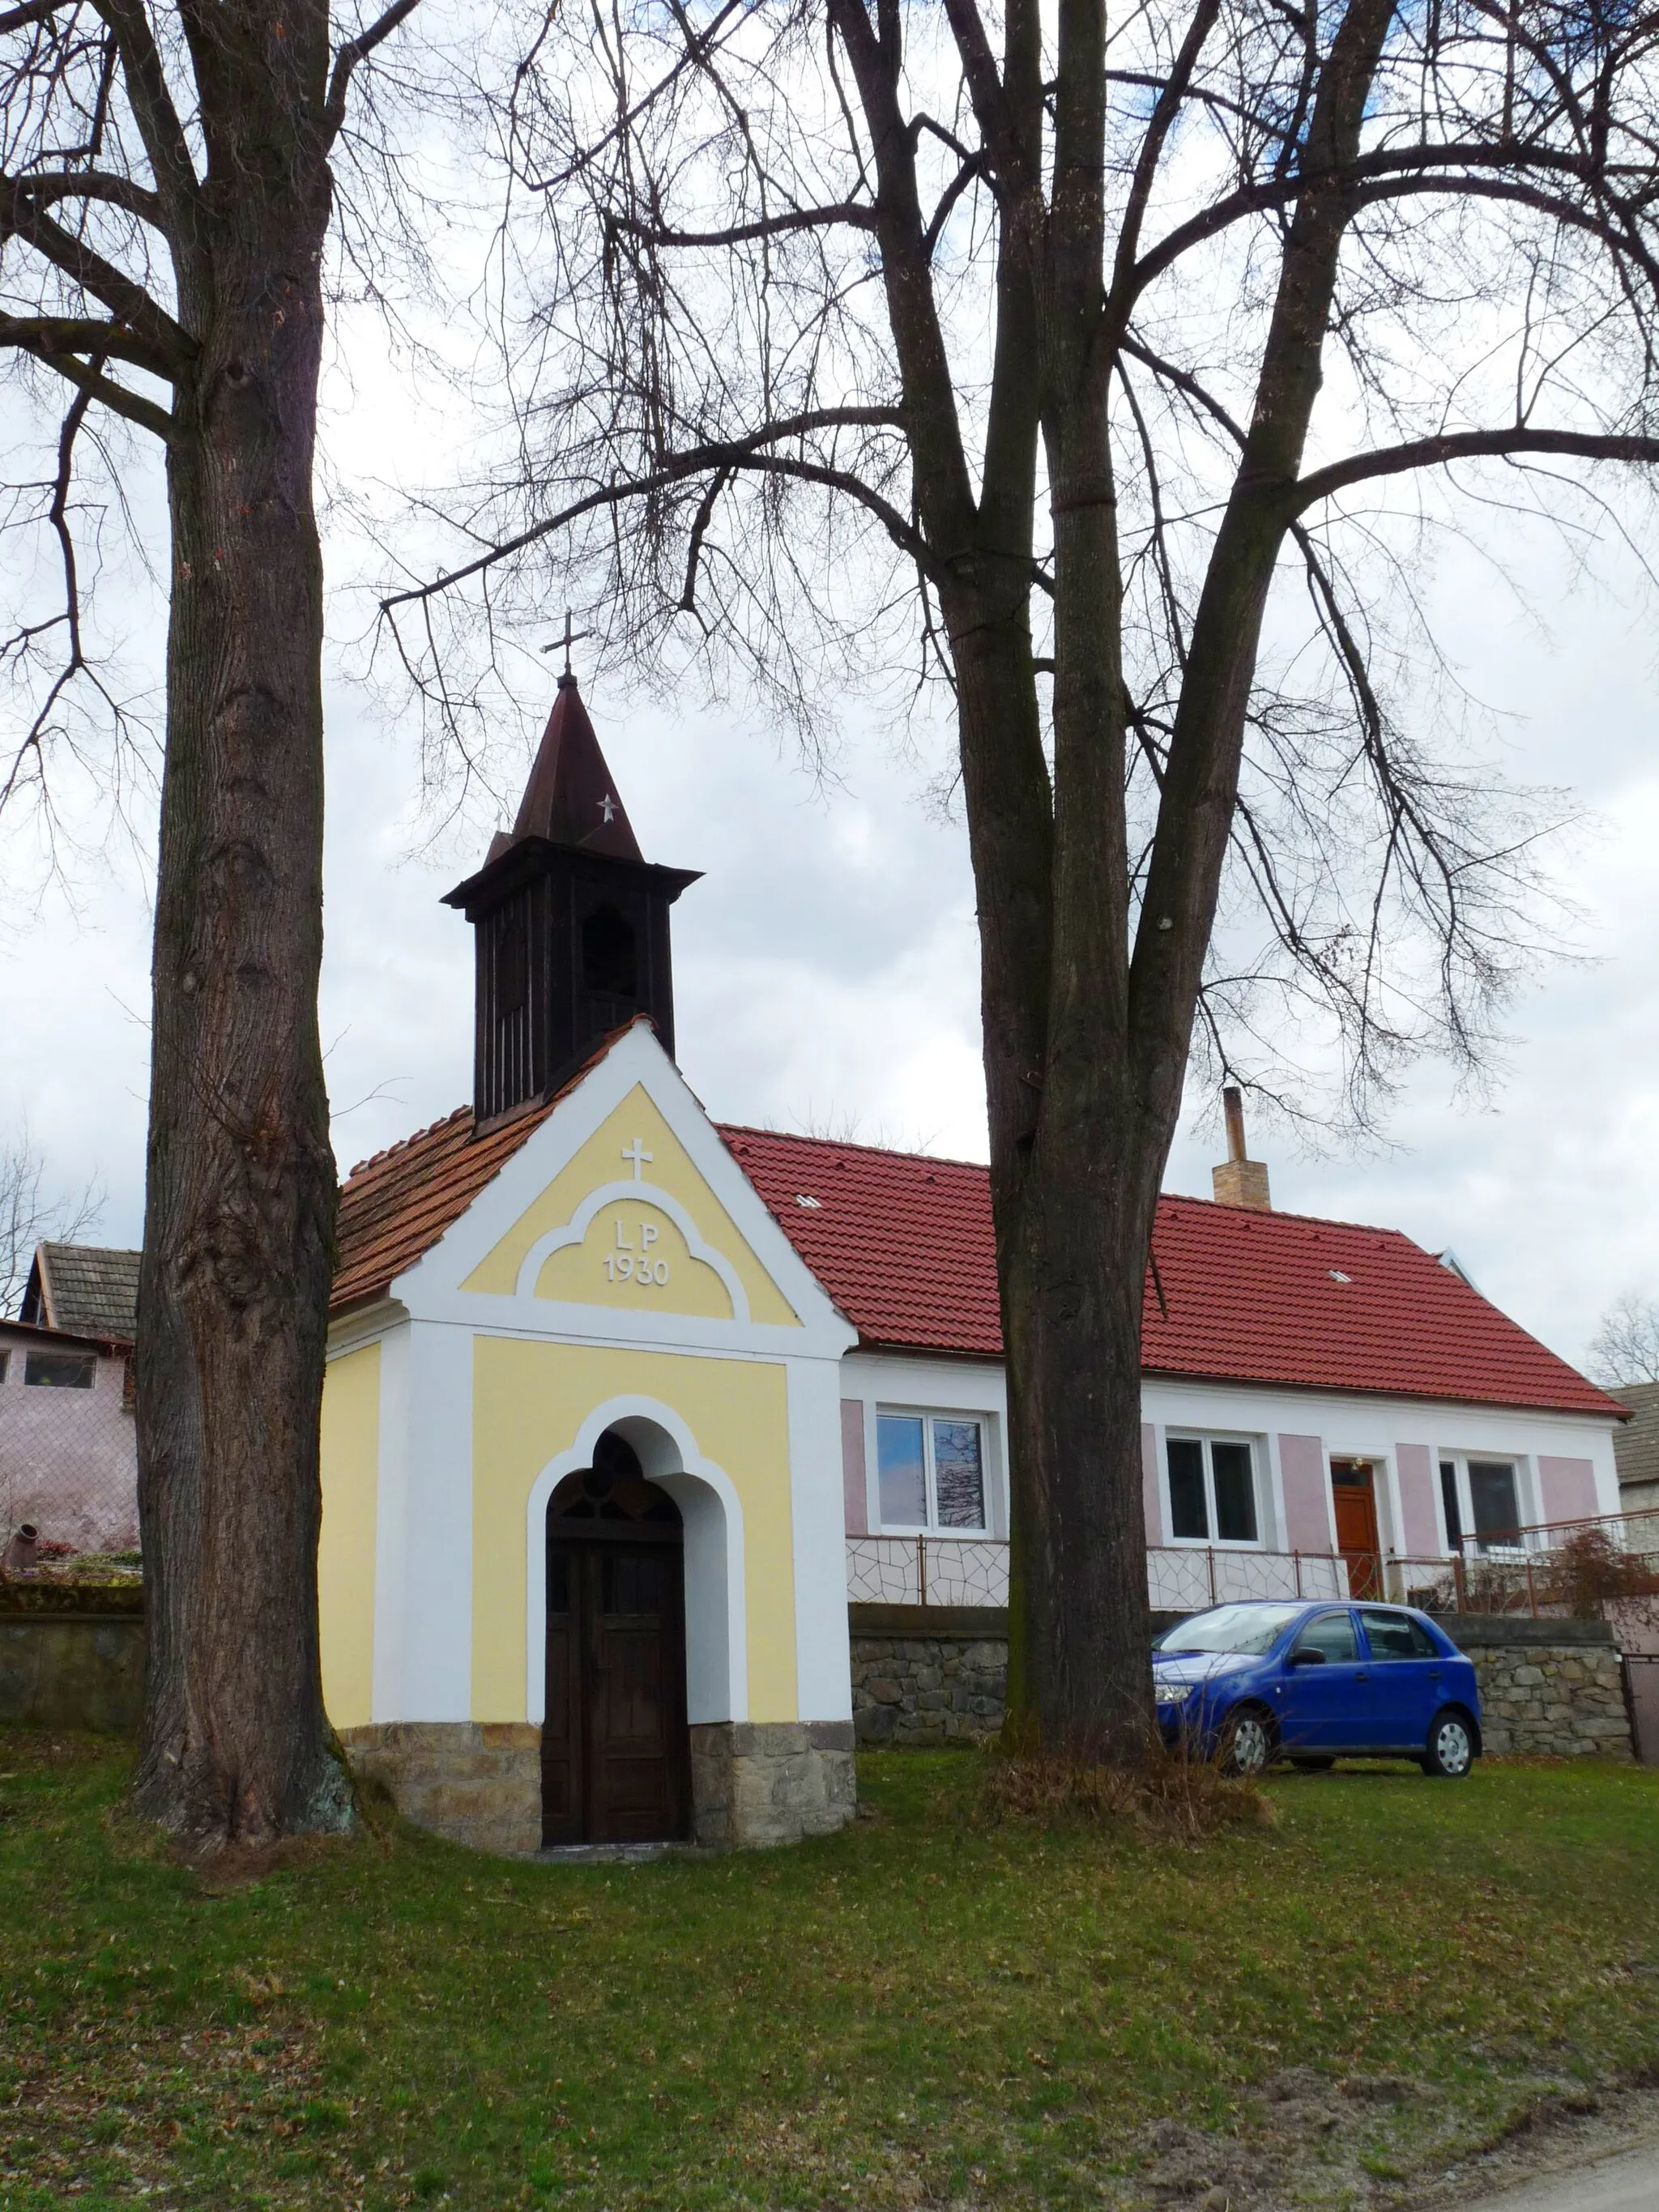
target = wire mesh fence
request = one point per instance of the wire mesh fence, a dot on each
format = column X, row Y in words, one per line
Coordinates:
column 1599, row 1569
column 69, row 1471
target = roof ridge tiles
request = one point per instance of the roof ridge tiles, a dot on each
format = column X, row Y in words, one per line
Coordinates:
column 403, row 1144
column 848, row 1144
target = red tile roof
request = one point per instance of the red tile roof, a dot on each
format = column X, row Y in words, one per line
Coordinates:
column 396, row 1206
column 902, row 1244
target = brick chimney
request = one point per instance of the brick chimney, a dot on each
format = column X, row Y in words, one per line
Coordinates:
column 1239, row 1181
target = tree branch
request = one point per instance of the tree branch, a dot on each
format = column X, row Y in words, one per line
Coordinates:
column 170, row 347
column 345, row 62
column 33, row 11
column 740, row 234
column 728, row 455
column 87, row 379
column 47, row 187
column 1307, row 178
column 153, row 109
column 1463, row 446
column 55, row 334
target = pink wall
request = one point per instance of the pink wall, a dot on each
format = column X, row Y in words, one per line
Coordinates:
column 1307, row 1494
column 1568, row 1489
column 1419, row 1530
column 852, row 1481
column 69, row 1463
column 1151, row 1484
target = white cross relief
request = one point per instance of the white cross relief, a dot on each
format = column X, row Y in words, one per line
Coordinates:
column 637, row 1153
column 608, row 808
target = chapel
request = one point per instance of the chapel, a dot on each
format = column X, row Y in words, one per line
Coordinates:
column 633, row 1422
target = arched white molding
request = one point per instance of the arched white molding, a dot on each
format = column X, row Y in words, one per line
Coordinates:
column 716, row 1626
column 576, row 1228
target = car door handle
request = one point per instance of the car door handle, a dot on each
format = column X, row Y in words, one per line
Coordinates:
column 1360, row 1676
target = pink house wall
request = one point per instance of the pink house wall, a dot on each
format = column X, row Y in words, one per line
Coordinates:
column 1420, row 1523
column 68, row 1462
column 1567, row 1487
column 1151, row 1484
column 1307, row 1494
column 853, row 1482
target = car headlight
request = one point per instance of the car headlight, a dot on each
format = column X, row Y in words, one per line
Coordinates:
column 1171, row 1693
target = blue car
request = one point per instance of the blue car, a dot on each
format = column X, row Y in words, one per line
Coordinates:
column 1254, row 1682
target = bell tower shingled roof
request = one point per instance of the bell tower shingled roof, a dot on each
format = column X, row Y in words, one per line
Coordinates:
column 570, row 924
column 571, row 798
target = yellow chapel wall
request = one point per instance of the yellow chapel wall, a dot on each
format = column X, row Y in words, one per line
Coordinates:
column 578, row 1272
column 530, row 1399
column 345, row 1551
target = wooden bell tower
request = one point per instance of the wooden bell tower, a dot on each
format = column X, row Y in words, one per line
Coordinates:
column 570, row 924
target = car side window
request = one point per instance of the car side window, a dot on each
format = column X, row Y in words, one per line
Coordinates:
column 1396, row 1635
column 1331, row 1633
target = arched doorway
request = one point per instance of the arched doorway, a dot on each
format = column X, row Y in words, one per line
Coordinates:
column 615, row 1757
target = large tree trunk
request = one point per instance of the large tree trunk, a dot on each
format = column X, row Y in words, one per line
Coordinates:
column 233, row 1307
column 1087, row 1033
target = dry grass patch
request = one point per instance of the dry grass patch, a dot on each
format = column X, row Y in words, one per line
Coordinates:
column 1165, row 1796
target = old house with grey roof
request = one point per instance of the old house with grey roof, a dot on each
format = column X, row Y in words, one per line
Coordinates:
column 69, row 1466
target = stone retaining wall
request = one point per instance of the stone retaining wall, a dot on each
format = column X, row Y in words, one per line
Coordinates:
column 65, row 1670
column 1555, row 1700
column 924, row 1691
column 1551, row 1688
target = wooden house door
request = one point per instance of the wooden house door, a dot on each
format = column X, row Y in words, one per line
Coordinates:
column 1354, row 1497
column 615, row 1765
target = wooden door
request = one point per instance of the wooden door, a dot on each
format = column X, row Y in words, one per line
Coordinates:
column 615, row 1746
column 1355, row 1501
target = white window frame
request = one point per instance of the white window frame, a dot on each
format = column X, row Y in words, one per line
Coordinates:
column 1206, row 1438
column 1519, row 1466
column 927, row 1415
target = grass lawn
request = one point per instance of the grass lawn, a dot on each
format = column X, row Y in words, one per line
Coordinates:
column 926, row 2010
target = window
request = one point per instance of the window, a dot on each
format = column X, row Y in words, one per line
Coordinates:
column 5, row 1361
column 1493, row 1504
column 61, row 1370
column 1211, row 1491
column 1250, row 1630
column 1333, row 1634
column 1397, row 1636
column 932, row 1471
column 608, row 960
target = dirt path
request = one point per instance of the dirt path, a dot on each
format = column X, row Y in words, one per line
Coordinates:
column 1626, row 2182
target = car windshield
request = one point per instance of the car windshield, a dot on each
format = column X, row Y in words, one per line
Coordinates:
column 1247, row 1628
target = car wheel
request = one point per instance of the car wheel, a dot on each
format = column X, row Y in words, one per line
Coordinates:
column 1313, row 1766
column 1246, row 1742
column 1450, row 1754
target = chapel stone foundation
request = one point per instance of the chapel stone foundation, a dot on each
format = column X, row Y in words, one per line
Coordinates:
column 756, row 1782
column 478, row 1783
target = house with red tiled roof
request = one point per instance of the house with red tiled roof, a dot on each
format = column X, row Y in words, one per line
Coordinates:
column 625, row 1409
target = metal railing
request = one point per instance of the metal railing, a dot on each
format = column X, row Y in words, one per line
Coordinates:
column 926, row 1570
column 1548, row 1569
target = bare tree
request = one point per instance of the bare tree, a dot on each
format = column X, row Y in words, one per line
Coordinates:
column 1625, row 1346
column 165, row 209
column 30, row 1215
column 1087, row 349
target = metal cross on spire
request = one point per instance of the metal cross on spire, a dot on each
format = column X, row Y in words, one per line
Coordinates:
column 569, row 639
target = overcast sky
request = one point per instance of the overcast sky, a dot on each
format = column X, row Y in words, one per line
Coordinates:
column 826, row 965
